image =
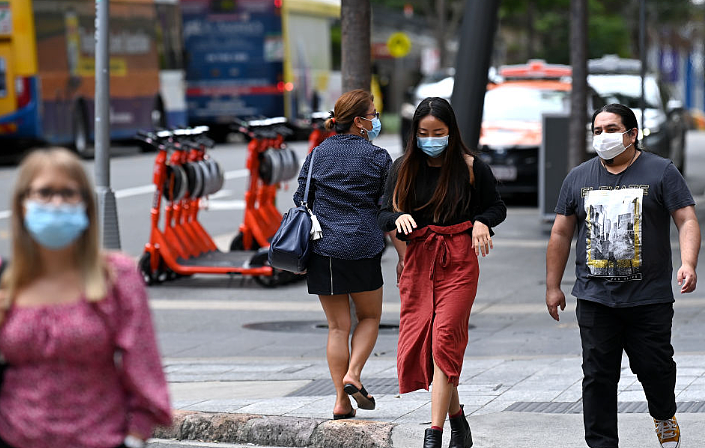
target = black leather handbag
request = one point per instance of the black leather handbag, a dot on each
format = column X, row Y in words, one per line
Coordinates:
column 291, row 244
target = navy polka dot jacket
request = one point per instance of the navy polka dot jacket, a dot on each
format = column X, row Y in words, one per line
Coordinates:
column 347, row 184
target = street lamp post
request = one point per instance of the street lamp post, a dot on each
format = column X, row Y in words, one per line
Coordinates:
column 107, row 208
column 473, row 63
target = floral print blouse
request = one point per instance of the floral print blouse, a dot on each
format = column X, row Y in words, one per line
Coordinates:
column 83, row 375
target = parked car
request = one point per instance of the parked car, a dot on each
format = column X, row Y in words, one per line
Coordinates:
column 665, row 119
column 511, row 130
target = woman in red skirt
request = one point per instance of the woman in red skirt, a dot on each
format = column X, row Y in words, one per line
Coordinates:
column 443, row 201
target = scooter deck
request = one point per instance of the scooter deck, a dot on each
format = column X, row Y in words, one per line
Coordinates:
column 237, row 259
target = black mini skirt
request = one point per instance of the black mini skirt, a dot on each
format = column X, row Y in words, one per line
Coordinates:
column 329, row 276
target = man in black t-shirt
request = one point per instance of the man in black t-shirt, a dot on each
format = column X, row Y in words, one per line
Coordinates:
column 622, row 202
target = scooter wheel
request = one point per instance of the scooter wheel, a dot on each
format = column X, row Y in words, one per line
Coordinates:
column 145, row 267
column 272, row 281
column 237, row 243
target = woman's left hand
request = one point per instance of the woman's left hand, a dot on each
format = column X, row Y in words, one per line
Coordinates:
column 481, row 239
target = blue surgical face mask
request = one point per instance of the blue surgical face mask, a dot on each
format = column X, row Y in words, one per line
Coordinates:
column 55, row 226
column 432, row 146
column 376, row 128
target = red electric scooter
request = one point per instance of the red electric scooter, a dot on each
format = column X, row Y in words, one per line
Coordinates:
column 183, row 176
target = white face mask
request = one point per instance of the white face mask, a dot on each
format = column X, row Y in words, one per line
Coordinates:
column 609, row 145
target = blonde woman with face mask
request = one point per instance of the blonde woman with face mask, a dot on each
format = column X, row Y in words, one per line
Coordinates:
column 83, row 368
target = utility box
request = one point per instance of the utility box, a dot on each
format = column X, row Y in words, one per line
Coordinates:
column 553, row 162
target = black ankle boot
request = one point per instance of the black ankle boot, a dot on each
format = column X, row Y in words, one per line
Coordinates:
column 433, row 438
column 460, row 435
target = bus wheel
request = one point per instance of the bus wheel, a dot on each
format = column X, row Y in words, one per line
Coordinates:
column 81, row 141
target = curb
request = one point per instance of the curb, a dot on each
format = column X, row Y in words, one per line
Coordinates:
column 277, row 431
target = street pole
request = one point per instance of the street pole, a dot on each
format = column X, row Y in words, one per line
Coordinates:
column 578, row 95
column 642, row 56
column 107, row 208
column 473, row 63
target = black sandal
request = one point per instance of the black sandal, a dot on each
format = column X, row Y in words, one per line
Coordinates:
column 361, row 396
column 350, row 414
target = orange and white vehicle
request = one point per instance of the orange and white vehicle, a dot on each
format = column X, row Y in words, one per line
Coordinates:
column 511, row 123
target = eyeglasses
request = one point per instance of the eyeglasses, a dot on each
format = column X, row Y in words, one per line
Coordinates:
column 47, row 194
column 374, row 114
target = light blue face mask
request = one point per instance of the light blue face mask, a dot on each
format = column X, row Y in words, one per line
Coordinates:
column 376, row 128
column 432, row 146
column 55, row 226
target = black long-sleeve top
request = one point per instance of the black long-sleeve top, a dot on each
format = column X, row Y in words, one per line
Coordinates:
column 486, row 206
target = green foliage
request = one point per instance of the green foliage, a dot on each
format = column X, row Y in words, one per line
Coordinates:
column 336, row 40
column 608, row 35
column 612, row 24
column 395, row 4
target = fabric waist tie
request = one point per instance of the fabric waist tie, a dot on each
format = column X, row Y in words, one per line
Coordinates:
column 434, row 239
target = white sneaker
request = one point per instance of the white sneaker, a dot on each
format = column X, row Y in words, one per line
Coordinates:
column 668, row 432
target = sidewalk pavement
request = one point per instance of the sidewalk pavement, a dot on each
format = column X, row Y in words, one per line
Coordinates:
column 510, row 402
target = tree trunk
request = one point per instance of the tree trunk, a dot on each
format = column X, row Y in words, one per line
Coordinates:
column 578, row 97
column 441, row 32
column 355, row 46
column 530, row 31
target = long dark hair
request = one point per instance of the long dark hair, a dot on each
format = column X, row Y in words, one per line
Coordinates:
column 453, row 191
column 626, row 114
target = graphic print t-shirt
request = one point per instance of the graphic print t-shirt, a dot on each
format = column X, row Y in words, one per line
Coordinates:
column 623, row 251
column 614, row 233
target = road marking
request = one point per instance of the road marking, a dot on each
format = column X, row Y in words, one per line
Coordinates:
column 134, row 191
column 237, row 173
column 236, row 204
column 149, row 189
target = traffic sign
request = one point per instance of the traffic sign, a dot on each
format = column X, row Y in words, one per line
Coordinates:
column 399, row 44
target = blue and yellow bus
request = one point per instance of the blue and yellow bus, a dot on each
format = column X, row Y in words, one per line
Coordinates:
column 247, row 58
column 47, row 65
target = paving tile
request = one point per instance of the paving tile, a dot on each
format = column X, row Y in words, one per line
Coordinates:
column 278, row 406
column 183, row 404
column 421, row 415
column 636, row 395
column 218, row 406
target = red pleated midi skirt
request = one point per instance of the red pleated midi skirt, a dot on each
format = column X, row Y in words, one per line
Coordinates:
column 437, row 288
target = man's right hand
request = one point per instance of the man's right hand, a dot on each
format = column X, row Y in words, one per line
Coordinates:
column 554, row 299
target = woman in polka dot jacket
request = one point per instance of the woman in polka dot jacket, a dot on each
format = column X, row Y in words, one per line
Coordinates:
column 347, row 183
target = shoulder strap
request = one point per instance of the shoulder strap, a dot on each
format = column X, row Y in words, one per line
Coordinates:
column 308, row 177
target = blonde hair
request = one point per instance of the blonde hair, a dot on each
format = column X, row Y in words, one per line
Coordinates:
column 25, row 251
